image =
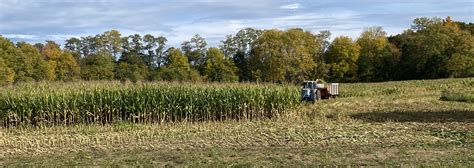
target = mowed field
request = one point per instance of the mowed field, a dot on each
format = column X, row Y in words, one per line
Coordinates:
column 406, row 123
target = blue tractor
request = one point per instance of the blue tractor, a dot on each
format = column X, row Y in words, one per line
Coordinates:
column 314, row 91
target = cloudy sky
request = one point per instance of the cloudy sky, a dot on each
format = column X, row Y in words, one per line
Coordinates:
column 40, row 20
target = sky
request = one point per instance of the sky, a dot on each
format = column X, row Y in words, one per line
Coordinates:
column 178, row 20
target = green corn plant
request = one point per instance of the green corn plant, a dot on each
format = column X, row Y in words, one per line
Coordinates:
column 107, row 102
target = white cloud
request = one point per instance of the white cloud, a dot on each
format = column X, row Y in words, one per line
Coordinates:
column 291, row 6
column 212, row 31
column 21, row 36
column 179, row 20
column 215, row 30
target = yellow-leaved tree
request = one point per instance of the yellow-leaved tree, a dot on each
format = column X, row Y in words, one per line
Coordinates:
column 61, row 64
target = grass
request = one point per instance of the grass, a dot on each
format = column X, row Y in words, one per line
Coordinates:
column 463, row 95
column 390, row 123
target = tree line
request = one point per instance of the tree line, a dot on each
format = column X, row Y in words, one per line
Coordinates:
column 431, row 48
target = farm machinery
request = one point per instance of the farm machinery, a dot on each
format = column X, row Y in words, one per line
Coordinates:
column 316, row 90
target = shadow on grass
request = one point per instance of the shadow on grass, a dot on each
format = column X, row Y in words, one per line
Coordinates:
column 414, row 116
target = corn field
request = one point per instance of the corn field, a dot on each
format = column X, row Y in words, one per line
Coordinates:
column 107, row 102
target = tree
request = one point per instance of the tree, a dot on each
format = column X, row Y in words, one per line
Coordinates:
column 150, row 56
column 324, row 39
column 284, row 56
column 126, row 47
column 267, row 63
column 112, row 42
column 67, row 68
column 301, row 48
column 217, row 68
column 177, row 68
column 131, row 64
column 342, row 55
column 32, row 66
column 424, row 22
column 461, row 65
column 61, row 65
column 51, row 53
column 160, row 51
column 177, row 60
column 7, row 74
column 74, row 46
column 154, row 48
column 136, row 43
column 373, row 47
column 321, row 69
column 132, row 68
column 466, row 26
column 431, row 50
column 133, row 47
column 8, row 54
column 39, row 46
column 89, row 45
column 195, row 49
column 238, row 48
column 98, row 66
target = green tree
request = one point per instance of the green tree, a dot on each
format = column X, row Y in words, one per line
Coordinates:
column 111, row 42
column 89, row 45
column 154, row 48
column 432, row 47
column 321, row 70
column 132, row 68
column 149, row 57
column 32, row 65
column 177, row 68
column 98, row 66
column 218, row 68
column 8, row 55
column 22, row 62
column 67, row 68
column 74, row 46
column 160, row 52
column 267, row 62
column 39, row 46
column 238, row 48
column 7, row 74
column 461, row 65
column 284, row 56
column 133, row 46
column 136, row 43
column 373, row 48
column 466, row 26
column 342, row 55
column 195, row 50
column 323, row 37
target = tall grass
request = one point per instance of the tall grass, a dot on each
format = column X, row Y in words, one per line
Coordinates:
column 462, row 95
column 106, row 102
column 405, row 88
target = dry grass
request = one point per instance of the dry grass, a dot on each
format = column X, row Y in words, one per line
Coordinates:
column 224, row 135
column 316, row 137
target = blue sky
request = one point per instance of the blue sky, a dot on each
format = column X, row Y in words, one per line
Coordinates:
column 58, row 20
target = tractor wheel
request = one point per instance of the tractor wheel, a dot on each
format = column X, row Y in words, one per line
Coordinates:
column 318, row 95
